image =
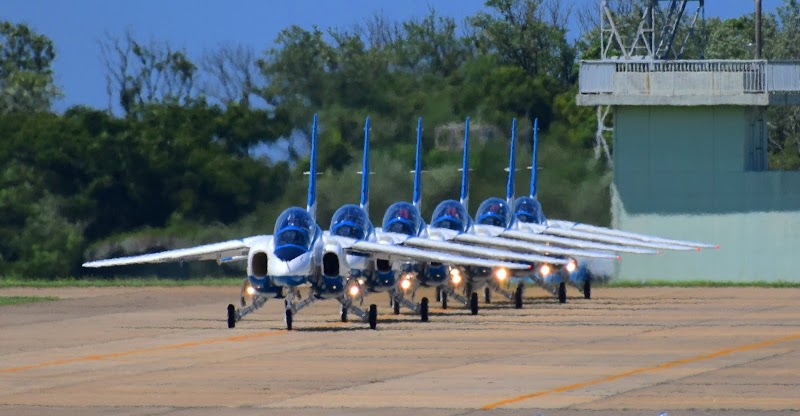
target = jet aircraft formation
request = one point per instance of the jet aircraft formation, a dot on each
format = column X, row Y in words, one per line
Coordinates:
column 507, row 244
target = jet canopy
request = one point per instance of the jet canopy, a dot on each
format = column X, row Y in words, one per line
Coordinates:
column 351, row 221
column 294, row 231
column 528, row 210
column 494, row 211
column 452, row 215
column 403, row 218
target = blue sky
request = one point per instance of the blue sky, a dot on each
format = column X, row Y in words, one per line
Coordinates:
column 76, row 26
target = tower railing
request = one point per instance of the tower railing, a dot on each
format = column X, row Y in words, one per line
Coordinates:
column 758, row 76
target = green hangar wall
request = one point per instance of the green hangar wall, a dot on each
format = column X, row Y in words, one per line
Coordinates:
column 696, row 173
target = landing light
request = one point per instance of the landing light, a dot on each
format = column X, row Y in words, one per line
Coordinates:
column 250, row 290
column 571, row 266
column 545, row 270
column 354, row 290
column 455, row 278
column 501, row 274
column 405, row 284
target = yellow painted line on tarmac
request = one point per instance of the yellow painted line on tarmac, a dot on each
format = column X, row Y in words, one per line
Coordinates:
column 618, row 376
column 183, row 345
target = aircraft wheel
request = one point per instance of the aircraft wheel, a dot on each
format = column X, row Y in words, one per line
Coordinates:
column 438, row 293
column 344, row 314
column 396, row 307
column 487, row 294
column 562, row 292
column 587, row 288
column 444, row 300
column 518, row 297
column 423, row 309
column 473, row 303
column 289, row 319
column 373, row 316
column 231, row 316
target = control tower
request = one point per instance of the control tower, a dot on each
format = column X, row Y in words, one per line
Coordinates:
column 690, row 149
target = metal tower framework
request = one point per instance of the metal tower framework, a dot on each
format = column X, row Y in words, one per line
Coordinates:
column 660, row 25
column 662, row 22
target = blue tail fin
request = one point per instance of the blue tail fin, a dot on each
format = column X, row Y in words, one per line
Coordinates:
column 417, row 199
column 465, row 168
column 312, row 174
column 533, row 161
column 512, row 165
column 365, row 170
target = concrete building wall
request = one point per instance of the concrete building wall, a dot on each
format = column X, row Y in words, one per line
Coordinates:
column 686, row 173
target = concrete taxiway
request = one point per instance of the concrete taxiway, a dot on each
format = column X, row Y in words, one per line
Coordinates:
column 167, row 351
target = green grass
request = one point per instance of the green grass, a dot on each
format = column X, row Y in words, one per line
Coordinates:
column 19, row 300
column 122, row 282
column 696, row 283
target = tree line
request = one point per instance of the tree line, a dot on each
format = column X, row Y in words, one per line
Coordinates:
column 197, row 149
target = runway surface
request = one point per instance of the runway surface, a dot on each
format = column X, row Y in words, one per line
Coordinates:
column 167, row 351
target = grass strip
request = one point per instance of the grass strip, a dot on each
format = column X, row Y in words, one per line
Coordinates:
column 121, row 282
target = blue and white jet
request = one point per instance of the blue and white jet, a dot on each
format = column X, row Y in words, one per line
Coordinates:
column 299, row 253
column 533, row 226
column 377, row 259
column 404, row 229
column 451, row 221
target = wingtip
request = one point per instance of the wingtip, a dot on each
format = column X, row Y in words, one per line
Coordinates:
column 619, row 257
column 717, row 247
column 698, row 249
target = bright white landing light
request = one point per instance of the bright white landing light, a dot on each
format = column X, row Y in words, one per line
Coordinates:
column 250, row 291
column 501, row 274
column 545, row 270
column 405, row 284
column 354, row 290
column 571, row 266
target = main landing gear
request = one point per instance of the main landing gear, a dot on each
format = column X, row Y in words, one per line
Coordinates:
column 398, row 299
column 562, row 292
column 472, row 302
column 370, row 316
column 291, row 308
column 587, row 288
column 515, row 296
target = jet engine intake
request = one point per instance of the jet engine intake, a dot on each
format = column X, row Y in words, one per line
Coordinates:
column 330, row 264
column 258, row 264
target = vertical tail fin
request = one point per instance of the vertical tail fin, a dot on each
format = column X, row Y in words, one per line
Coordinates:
column 512, row 165
column 312, row 174
column 465, row 168
column 365, row 170
column 417, row 198
column 533, row 161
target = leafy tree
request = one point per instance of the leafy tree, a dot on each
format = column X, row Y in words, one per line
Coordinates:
column 26, row 76
column 528, row 33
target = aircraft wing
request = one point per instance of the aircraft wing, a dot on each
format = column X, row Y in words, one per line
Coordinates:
column 525, row 246
column 571, row 242
column 221, row 252
column 392, row 251
column 441, row 240
column 569, row 225
column 585, row 235
column 484, row 252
